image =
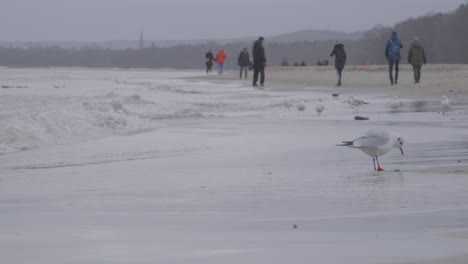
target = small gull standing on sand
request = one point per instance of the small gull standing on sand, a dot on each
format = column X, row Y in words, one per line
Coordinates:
column 376, row 143
column 287, row 103
column 301, row 106
column 445, row 104
column 319, row 108
column 395, row 104
column 353, row 102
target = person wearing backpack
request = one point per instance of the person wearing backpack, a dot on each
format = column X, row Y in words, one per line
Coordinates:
column 392, row 53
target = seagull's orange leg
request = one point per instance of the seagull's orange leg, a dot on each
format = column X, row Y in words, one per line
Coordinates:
column 378, row 164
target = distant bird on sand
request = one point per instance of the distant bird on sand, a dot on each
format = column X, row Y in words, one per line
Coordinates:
column 445, row 104
column 376, row 143
column 355, row 102
column 395, row 104
column 301, row 106
column 319, row 108
column 287, row 103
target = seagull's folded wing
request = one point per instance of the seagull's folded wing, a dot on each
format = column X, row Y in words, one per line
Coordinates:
column 373, row 139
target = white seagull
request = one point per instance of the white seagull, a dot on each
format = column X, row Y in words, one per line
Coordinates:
column 376, row 143
column 395, row 104
column 301, row 106
column 319, row 108
column 287, row 102
column 353, row 102
column 445, row 104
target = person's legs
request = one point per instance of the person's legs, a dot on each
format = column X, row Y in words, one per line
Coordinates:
column 262, row 74
column 339, row 71
column 418, row 69
column 246, row 69
column 397, row 68
column 255, row 75
column 340, row 74
column 390, row 70
column 415, row 74
column 240, row 73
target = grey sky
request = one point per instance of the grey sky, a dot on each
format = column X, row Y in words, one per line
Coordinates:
column 97, row 20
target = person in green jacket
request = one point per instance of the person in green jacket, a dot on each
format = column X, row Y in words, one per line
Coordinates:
column 416, row 57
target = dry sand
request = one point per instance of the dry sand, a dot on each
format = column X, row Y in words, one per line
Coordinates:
column 437, row 79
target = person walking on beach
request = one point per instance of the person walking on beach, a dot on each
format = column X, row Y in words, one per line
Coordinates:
column 416, row 57
column 244, row 62
column 392, row 53
column 209, row 58
column 220, row 59
column 260, row 62
column 340, row 59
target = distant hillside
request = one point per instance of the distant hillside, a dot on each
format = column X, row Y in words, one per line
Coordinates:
column 298, row 36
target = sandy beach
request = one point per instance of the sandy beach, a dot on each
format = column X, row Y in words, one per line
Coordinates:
column 143, row 166
column 437, row 79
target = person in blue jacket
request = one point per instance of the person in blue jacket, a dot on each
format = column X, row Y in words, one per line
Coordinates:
column 392, row 53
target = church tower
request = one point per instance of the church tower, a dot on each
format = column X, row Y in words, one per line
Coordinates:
column 142, row 42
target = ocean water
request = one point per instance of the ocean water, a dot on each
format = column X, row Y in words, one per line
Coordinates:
column 41, row 107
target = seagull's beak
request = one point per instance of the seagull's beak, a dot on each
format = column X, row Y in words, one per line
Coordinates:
column 402, row 153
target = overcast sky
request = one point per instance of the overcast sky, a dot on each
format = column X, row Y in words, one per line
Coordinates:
column 97, row 20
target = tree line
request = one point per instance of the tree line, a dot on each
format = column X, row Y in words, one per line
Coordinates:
column 442, row 35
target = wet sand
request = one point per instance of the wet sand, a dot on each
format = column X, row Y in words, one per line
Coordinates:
column 258, row 184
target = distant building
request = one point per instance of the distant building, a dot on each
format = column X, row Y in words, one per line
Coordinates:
column 142, row 41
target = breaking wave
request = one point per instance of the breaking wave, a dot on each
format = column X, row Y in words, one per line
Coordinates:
column 100, row 107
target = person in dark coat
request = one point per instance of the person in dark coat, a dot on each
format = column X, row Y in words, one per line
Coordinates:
column 416, row 57
column 209, row 58
column 340, row 59
column 260, row 62
column 244, row 62
column 392, row 53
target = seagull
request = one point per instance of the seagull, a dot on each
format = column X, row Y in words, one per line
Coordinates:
column 355, row 102
column 287, row 102
column 319, row 108
column 376, row 143
column 445, row 104
column 395, row 104
column 301, row 106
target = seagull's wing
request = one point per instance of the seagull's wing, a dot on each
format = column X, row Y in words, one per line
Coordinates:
column 373, row 139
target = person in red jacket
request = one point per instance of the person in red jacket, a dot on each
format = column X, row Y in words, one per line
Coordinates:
column 220, row 59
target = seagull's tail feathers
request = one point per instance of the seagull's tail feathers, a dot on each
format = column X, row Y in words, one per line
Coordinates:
column 346, row 144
